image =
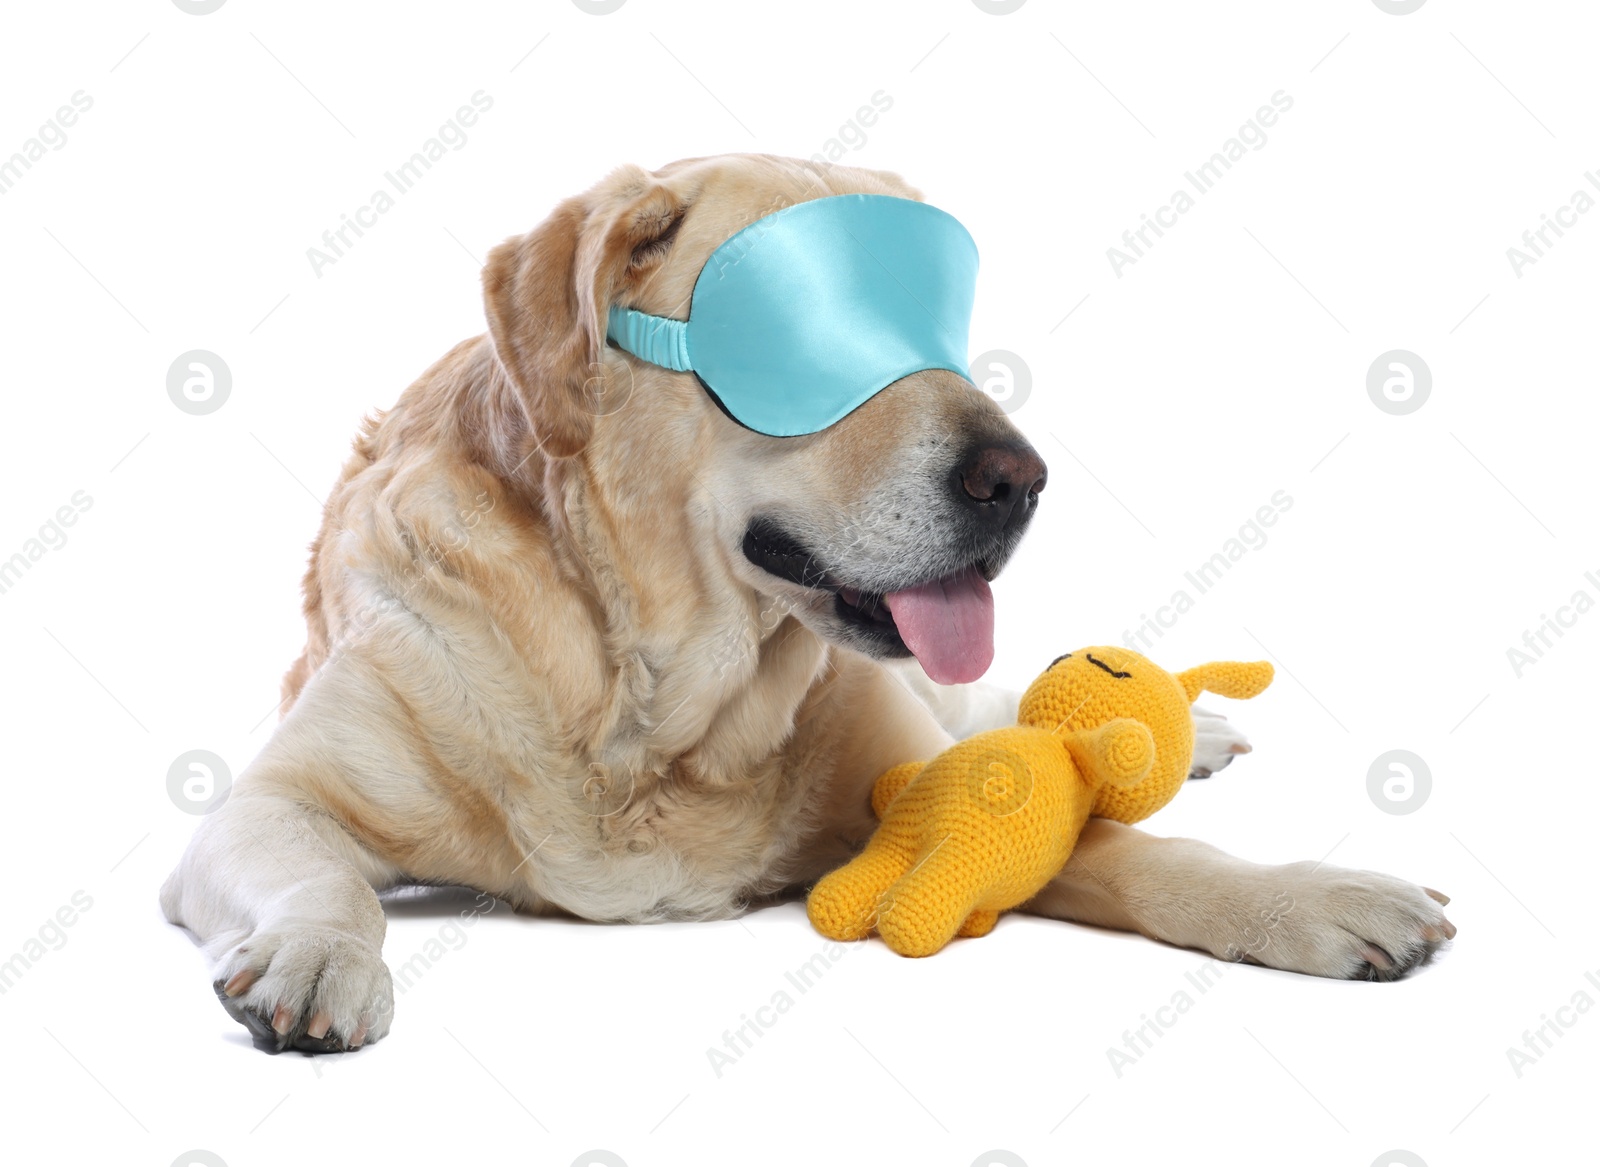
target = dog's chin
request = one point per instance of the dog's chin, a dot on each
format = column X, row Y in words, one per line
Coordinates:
column 833, row 603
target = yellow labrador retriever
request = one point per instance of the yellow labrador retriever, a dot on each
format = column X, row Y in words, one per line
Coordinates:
column 579, row 640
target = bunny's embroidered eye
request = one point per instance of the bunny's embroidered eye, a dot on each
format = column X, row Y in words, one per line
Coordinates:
column 1102, row 665
column 1058, row 660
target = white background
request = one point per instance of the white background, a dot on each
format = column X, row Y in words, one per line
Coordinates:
column 1228, row 363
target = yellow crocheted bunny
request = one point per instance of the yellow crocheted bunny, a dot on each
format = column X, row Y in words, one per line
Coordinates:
column 985, row 825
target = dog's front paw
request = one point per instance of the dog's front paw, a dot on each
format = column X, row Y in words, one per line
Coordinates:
column 312, row 988
column 1216, row 742
column 1354, row 925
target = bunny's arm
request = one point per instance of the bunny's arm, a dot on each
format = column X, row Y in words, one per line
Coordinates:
column 1118, row 753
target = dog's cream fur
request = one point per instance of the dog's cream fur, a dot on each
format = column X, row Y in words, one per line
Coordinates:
column 539, row 665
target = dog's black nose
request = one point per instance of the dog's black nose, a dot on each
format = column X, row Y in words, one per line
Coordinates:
column 1001, row 482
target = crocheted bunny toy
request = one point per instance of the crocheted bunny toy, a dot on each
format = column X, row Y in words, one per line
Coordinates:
column 985, row 825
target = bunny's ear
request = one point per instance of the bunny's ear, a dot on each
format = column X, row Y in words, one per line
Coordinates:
column 1227, row 678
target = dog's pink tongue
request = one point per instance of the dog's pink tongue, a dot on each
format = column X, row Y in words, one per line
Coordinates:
column 948, row 624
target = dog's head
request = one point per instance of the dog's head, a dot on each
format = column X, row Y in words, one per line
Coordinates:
column 880, row 532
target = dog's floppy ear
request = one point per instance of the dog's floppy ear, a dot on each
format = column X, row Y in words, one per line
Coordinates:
column 547, row 294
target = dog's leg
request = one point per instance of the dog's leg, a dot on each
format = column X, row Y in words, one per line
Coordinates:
column 1304, row 917
column 282, row 901
column 1216, row 742
column 961, row 710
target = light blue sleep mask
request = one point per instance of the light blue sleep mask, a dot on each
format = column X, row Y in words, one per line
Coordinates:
column 805, row 314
